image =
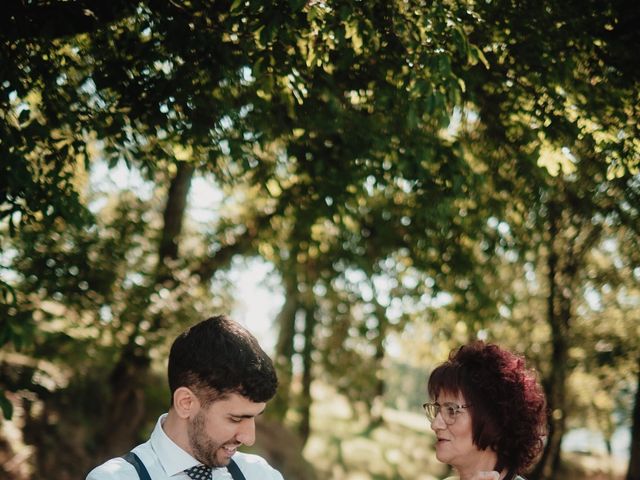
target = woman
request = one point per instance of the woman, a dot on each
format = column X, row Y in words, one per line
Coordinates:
column 488, row 413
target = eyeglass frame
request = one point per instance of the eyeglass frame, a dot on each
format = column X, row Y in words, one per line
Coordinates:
column 457, row 408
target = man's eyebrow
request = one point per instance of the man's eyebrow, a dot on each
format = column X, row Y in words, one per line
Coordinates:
column 247, row 415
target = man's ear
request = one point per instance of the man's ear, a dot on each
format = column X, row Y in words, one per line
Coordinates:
column 185, row 402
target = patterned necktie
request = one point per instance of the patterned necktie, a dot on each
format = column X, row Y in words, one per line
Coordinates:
column 200, row 472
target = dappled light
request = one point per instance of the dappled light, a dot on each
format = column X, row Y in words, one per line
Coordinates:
column 365, row 185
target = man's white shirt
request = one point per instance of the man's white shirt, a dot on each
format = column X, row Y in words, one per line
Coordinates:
column 165, row 460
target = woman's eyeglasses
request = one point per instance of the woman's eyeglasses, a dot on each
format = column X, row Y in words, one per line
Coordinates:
column 448, row 410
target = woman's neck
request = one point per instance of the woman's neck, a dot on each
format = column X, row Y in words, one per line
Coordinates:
column 485, row 462
column 483, row 475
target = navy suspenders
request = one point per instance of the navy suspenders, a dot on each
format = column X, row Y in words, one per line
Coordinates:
column 234, row 470
column 134, row 460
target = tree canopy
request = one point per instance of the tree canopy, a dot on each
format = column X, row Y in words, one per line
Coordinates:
column 380, row 155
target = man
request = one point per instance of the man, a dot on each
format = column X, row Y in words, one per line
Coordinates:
column 220, row 380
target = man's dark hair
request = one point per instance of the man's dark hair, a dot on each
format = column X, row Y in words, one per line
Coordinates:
column 217, row 357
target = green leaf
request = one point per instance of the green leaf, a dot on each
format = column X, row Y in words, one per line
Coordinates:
column 460, row 41
column 6, row 406
column 475, row 55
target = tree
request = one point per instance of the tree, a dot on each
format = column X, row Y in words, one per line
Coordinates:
column 201, row 84
column 571, row 91
column 634, row 469
column 363, row 148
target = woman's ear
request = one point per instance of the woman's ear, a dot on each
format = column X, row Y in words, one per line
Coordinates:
column 185, row 402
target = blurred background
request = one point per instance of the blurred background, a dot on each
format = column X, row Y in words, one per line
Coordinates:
column 365, row 185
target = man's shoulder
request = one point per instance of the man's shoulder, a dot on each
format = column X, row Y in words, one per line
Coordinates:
column 114, row 469
column 253, row 464
column 250, row 459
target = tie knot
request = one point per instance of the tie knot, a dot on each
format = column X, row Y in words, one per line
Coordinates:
column 199, row 472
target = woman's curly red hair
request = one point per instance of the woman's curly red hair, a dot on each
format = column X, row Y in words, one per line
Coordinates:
column 508, row 406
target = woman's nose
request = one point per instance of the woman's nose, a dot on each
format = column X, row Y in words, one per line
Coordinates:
column 438, row 423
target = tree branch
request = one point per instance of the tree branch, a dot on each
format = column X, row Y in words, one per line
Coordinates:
column 29, row 20
column 222, row 257
column 175, row 210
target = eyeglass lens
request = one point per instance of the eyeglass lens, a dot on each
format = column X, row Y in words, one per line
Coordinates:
column 448, row 412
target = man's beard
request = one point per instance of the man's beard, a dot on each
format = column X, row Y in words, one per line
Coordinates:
column 204, row 449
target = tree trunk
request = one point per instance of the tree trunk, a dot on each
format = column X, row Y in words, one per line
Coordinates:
column 633, row 472
column 558, row 316
column 377, row 402
column 286, row 321
column 174, row 212
column 304, row 429
column 126, row 412
column 572, row 235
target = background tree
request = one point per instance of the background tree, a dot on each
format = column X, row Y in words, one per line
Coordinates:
column 559, row 93
column 388, row 158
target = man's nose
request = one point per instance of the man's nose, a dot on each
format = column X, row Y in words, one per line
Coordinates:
column 247, row 432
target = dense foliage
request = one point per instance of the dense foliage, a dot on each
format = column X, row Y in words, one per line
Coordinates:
column 415, row 172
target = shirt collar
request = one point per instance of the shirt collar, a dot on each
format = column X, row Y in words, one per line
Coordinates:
column 172, row 458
